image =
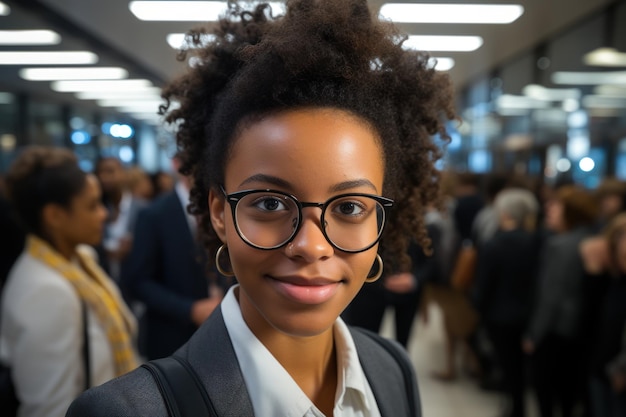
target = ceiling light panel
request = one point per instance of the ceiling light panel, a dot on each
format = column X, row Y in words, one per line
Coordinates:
column 589, row 78
column 4, row 9
column 451, row 13
column 61, row 73
column 178, row 40
column 605, row 57
column 443, row 43
column 48, row 58
column 29, row 37
column 135, row 94
column 441, row 63
column 197, row 11
column 104, row 85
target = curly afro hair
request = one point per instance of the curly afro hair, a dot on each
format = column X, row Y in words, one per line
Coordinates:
column 330, row 53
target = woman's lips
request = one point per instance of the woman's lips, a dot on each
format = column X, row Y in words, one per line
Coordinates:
column 306, row 291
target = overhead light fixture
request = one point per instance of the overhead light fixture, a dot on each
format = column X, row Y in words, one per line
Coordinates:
column 135, row 94
column 589, row 78
column 441, row 63
column 451, row 13
column 443, row 43
column 4, row 9
column 540, row 92
column 100, row 85
column 611, row 90
column 605, row 57
column 138, row 102
column 513, row 102
column 197, row 11
column 29, row 37
column 48, row 58
column 604, row 102
column 60, row 73
column 179, row 41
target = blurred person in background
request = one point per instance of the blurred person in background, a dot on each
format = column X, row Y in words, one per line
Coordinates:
column 12, row 236
column 167, row 272
column 54, row 282
column 401, row 291
column 606, row 266
column 555, row 335
column 610, row 195
column 459, row 317
column 122, row 208
column 162, row 182
column 139, row 183
column 504, row 287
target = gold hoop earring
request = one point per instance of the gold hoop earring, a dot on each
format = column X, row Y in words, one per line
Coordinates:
column 221, row 270
column 378, row 273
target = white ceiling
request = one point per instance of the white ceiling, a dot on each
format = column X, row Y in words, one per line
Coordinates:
column 110, row 24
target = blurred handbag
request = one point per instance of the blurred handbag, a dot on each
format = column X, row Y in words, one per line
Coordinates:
column 464, row 270
column 9, row 403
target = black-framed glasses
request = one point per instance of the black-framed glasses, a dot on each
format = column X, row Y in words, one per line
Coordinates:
column 270, row 219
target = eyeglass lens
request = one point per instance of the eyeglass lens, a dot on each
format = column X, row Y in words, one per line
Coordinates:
column 268, row 220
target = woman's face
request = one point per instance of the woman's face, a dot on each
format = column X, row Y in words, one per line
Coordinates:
column 83, row 221
column 313, row 154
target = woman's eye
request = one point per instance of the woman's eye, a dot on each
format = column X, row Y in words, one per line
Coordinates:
column 349, row 208
column 270, row 204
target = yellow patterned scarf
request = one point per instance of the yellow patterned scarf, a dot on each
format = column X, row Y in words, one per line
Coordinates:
column 99, row 293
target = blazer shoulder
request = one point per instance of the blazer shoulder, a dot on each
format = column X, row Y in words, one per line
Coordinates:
column 132, row 394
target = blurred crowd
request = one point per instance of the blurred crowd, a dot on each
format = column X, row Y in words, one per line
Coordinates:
column 531, row 280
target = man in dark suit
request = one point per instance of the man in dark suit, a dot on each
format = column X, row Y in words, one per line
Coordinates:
column 167, row 273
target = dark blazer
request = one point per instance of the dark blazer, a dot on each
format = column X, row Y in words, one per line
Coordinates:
column 166, row 271
column 561, row 294
column 505, row 279
column 136, row 393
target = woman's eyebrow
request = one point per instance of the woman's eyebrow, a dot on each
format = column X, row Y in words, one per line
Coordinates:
column 270, row 179
column 347, row 185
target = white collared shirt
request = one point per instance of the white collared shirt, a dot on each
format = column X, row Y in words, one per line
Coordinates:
column 273, row 392
column 183, row 197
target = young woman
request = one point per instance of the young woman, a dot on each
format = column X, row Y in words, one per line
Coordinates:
column 57, row 303
column 300, row 132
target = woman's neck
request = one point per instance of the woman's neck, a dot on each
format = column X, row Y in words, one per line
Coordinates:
column 66, row 249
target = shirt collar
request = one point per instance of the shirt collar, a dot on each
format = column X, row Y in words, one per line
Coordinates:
column 283, row 396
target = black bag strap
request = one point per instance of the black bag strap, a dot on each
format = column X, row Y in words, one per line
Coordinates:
column 86, row 350
column 405, row 365
column 180, row 387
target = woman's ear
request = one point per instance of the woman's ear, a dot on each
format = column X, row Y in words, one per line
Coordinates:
column 217, row 207
column 53, row 216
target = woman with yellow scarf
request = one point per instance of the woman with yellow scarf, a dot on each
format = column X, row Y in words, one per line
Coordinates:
column 57, row 300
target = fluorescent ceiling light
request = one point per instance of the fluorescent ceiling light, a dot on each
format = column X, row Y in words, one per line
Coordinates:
column 131, row 103
column 443, row 43
column 197, row 11
column 605, row 57
column 90, row 73
column 29, row 37
column 178, row 41
column 135, row 94
column 604, row 102
column 441, row 63
column 4, row 9
column 550, row 94
column 104, row 85
column 510, row 102
column 589, row 78
column 48, row 58
column 611, row 90
column 451, row 13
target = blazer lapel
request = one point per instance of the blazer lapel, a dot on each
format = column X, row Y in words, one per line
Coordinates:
column 211, row 354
